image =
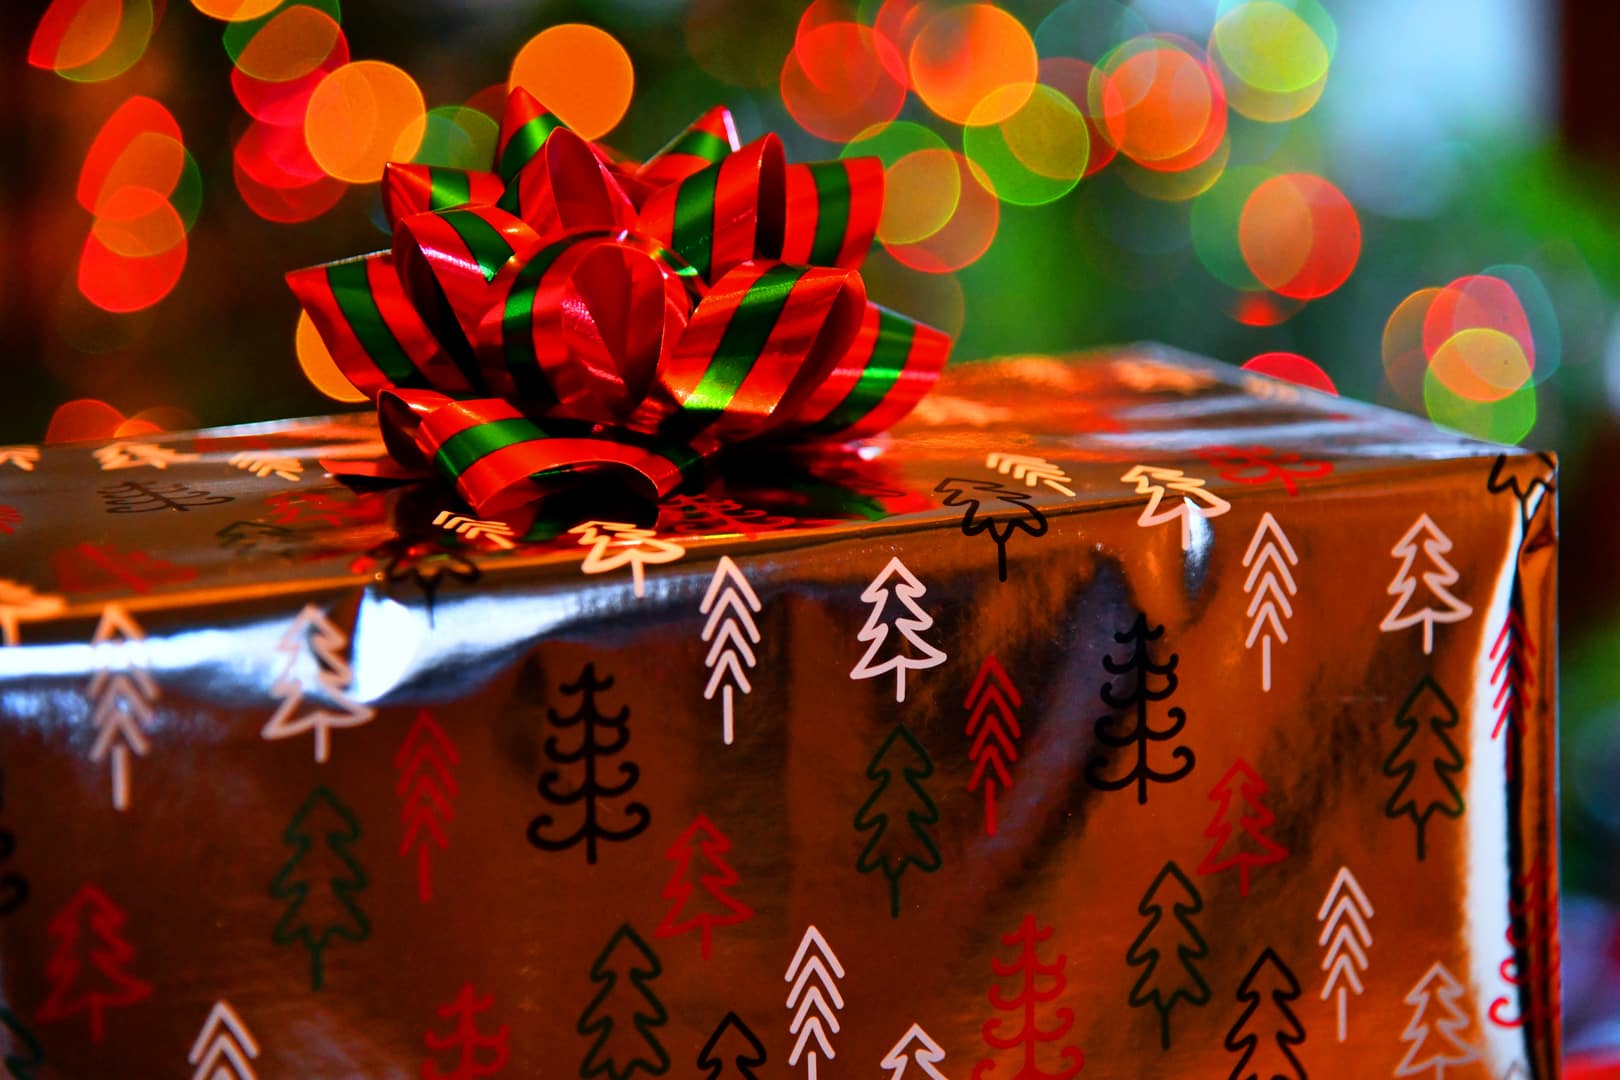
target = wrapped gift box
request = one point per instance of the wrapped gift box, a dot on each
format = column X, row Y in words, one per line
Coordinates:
column 1128, row 713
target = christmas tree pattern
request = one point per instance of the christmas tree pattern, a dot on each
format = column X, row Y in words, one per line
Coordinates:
column 474, row 1054
column 1267, row 1032
column 89, row 969
column 20, row 457
column 14, row 888
column 122, row 702
column 614, row 545
column 1132, row 697
column 898, row 583
column 625, row 1012
column 601, row 736
column 319, row 884
column 1015, row 513
column 1038, row 984
column 725, row 1058
column 136, row 455
column 24, row 1054
column 10, row 518
column 1532, row 912
column 992, row 705
column 1436, row 1042
column 1425, row 763
column 1344, row 914
column 87, row 568
column 699, row 889
column 814, row 1000
column 685, row 515
column 1257, row 465
column 19, row 602
column 1529, row 482
column 915, row 1048
column 1032, row 471
column 312, row 640
column 731, row 605
column 224, row 1049
column 1512, row 675
column 427, row 790
column 1438, row 604
column 145, row 497
column 1167, row 949
column 1195, row 502
column 1237, row 833
column 892, row 848
column 1269, row 585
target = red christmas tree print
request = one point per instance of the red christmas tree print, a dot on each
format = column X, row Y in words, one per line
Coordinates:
column 1030, row 1005
column 479, row 1054
column 426, row 787
column 704, row 903
column 91, row 567
column 1264, row 465
column 1238, row 829
column 1532, row 916
column 992, row 706
column 9, row 517
column 89, row 971
column 1511, row 654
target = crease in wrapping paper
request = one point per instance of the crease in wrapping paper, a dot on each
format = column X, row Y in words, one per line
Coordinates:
column 1196, row 932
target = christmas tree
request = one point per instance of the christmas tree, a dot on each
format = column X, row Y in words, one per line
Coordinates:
column 699, row 890
column 319, row 883
column 1167, row 948
column 88, row 970
column 625, row 1011
column 476, row 1054
column 1267, row 1031
column 898, row 815
column 1238, row 830
column 897, row 584
column 1425, row 762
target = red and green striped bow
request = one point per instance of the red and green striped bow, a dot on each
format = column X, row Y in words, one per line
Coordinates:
column 572, row 312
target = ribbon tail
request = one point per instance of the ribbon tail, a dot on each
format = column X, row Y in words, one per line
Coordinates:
column 891, row 365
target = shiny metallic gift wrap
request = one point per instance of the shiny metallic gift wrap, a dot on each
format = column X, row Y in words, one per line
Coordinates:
column 1122, row 715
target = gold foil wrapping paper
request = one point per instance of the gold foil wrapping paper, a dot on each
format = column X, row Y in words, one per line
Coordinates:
column 1122, row 716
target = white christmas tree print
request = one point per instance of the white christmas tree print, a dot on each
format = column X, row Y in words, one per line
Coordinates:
column 1438, row 604
column 224, row 1049
column 1345, row 935
column 731, row 606
column 498, row 533
column 312, row 635
column 914, row 1047
column 21, row 457
column 814, row 1000
column 263, row 465
column 906, row 590
column 1159, row 483
column 121, row 702
column 19, row 602
column 1269, row 585
column 1436, row 1042
column 614, row 544
column 1031, row 470
column 135, row 455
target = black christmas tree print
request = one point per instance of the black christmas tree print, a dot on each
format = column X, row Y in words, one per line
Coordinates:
column 600, row 736
column 733, row 1051
column 144, row 496
column 320, row 881
column 982, row 514
column 1267, row 1032
column 898, row 814
column 1139, row 683
column 625, row 1011
column 13, row 885
column 1425, row 763
column 1167, row 948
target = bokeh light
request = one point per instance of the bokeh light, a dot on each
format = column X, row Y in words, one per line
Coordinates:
column 235, row 10
column 1405, row 361
column 82, row 418
column 93, row 40
column 972, row 225
column 580, row 73
column 286, row 102
column 362, row 116
column 1161, row 103
column 1073, row 79
column 964, row 54
column 1505, row 420
column 1214, row 223
column 1291, row 367
column 1274, row 55
column 288, row 204
column 1299, row 235
column 841, row 79
column 317, row 363
column 118, row 283
column 1034, row 155
column 458, row 137
column 1480, row 363
column 922, row 184
column 293, row 43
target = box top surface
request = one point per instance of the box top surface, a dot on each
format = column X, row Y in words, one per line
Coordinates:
column 209, row 517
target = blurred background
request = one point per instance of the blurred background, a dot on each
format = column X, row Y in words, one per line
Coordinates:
column 1412, row 202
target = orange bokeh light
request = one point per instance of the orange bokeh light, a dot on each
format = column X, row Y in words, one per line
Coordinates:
column 118, row 283
column 138, row 223
column 81, row 419
column 138, row 144
column 1294, row 368
column 317, row 363
column 73, row 33
column 295, row 42
column 1158, row 104
column 235, row 10
column 580, row 73
column 964, row 54
column 361, row 117
column 1299, row 236
column 1477, row 301
column 841, row 79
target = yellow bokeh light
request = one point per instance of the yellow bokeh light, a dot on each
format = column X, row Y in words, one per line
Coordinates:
column 1269, row 47
column 965, row 54
column 921, row 193
column 319, row 367
column 362, row 116
column 1481, row 364
column 578, row 72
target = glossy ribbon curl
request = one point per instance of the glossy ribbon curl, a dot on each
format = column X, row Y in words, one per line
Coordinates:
column 572, row 312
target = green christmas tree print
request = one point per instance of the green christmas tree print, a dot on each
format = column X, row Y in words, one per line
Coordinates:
column 892, row 848
column 319, row 882
column 625, row 1011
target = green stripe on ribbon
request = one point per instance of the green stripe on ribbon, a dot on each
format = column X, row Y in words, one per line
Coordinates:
column 693, row 233
column 526, row 142
column 882, row 371
column 465, row 448
column 698, row 143
column 744, row 340
column 351, row 288
column 832, row 211
column 448, row 188
column 483, row 240
column 517, row 328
